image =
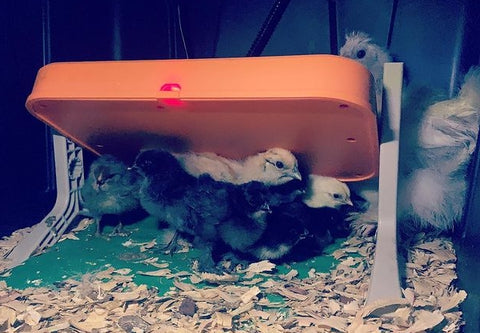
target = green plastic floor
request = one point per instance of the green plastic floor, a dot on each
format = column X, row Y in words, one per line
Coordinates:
column 89, row 254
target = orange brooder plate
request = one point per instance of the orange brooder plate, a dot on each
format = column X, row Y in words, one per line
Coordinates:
column 318, row 106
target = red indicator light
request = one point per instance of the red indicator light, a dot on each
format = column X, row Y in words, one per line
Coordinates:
column 171, row 87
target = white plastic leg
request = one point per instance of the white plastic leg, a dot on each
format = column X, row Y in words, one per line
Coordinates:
column 69, row 179
column 385, row 282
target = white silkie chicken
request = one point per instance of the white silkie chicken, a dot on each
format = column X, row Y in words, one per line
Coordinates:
column 359, row 46
column 453, row 125
column 434, row 193
column 430, row 198
column 438, row 139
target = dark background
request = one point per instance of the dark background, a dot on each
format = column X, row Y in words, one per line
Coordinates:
column 437, row 40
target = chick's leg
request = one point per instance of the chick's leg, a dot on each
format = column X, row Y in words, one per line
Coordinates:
column 118, row 230
column 206, row 263
column 170, row 238
column 98, row 231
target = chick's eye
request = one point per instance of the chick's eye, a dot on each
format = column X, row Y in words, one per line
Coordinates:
column 337, row 196
column 279, row 164
column 361, row 54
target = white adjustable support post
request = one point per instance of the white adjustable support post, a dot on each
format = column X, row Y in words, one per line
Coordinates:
column 385, row 281
column 69, row 179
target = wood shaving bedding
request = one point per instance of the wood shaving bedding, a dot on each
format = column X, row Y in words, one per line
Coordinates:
column 109, row 300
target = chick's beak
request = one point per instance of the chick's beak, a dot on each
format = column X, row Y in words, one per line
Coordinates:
column 305, row 234
column 299, row 192
column 134, row 168
column 265, row 207
column 349, row 202
column 100, row 179
column 295, row 174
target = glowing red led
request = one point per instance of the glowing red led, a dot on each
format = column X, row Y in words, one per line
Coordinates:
column 171, row 87
column 171, row 101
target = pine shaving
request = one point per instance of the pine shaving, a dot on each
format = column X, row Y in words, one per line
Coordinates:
column 240, row 301
column 251, row 293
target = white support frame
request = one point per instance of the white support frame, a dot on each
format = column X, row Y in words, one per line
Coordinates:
column 385, row 280
column 69, row 179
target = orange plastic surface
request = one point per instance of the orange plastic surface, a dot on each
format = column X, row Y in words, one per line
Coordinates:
column 318, row 106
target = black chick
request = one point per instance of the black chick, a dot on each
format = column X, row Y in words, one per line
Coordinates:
column 248, row 220
column 297, row 232
column 323, row 225
column 111, row 188
column 190, row 205
column 186, row 203
column 252, row 203
column 282, row 234
column 251, row 231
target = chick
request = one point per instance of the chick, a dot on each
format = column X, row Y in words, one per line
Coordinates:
column 324, row 191
column 186, row 203
column 110, row 188
column 277, row 247
column 360, row 47
column 249, row 221
column 252, row 207
column 218, row 167
column 273, row 167
column 278, row 240
column 326, row 200
column 296, row 231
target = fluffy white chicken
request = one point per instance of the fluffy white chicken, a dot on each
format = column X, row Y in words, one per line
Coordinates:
column 453, row 125
column 360, row 47
column 437, row 141
column 431, row 198
column 433, row 192
column 275, row 166
column 326, row 192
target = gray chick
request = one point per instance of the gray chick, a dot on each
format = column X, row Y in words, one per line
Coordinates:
column 110, row 189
